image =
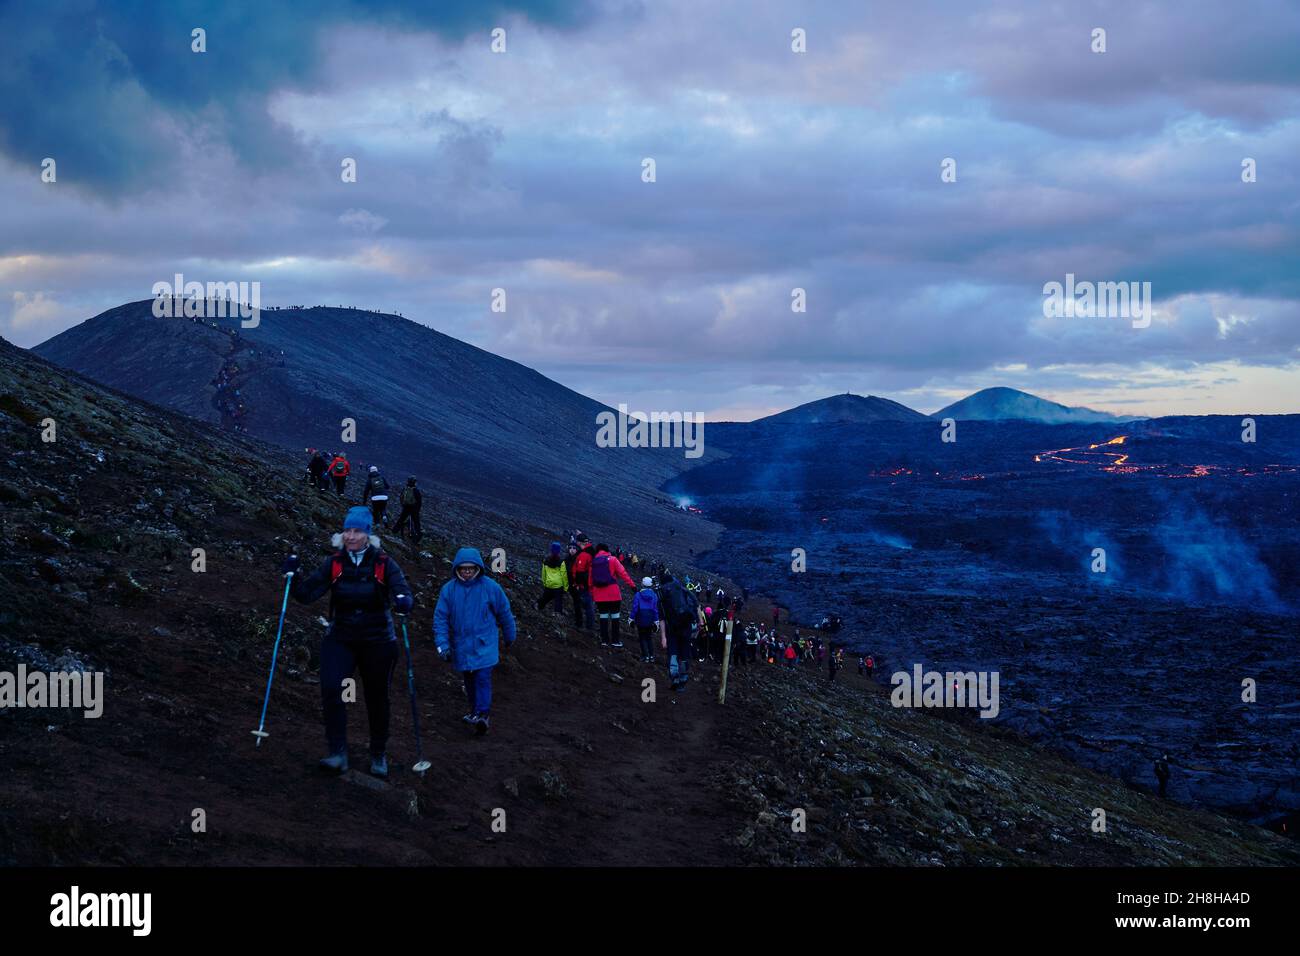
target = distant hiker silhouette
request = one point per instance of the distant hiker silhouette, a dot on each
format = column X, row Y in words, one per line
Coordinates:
column 375, row 494
column 412, row 502
column 1162, row 772
column 317, row 469
column 339, row 471
column 581, row 582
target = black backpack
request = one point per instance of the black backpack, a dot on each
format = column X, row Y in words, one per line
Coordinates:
column 679, row 604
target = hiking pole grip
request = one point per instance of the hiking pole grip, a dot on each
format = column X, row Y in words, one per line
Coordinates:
column 260, row 732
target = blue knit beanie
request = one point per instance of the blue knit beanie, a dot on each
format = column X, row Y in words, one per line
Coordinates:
column 359, row 518
column 556, row 549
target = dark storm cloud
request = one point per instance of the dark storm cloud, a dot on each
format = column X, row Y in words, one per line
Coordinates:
column 109, row 88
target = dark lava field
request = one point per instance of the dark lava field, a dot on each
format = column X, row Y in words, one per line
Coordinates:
column 980, row 554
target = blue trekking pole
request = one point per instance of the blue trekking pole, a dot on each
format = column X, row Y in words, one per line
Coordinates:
column 260, row 732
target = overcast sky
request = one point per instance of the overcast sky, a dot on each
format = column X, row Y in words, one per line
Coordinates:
column 774, row 170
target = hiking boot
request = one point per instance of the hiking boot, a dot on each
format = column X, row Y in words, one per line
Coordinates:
column 469, row 718
column 379, row 766
column 337, row 763
column 616, row 644
column 481, row 724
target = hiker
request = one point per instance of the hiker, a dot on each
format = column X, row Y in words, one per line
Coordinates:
column 790, row 655
column 569, row 560
column 645, row 617
column 751, row 642
column 1162, row 772
column 363, row 581
column 471, row 607
column 339, row 471
column 316, row 468
column 606, row 570
column 776, row 614
column 376, row 494
column 412, row 501
column 581, row 583
column 319, row 467
column 555, row 579
column 737, row 645
column 678, row 609
column 871, row 665
column 835, row 660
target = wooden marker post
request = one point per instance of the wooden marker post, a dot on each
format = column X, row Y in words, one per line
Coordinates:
column 726, row 663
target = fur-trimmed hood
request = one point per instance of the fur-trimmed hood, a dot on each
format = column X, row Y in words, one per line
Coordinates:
column 337, row 541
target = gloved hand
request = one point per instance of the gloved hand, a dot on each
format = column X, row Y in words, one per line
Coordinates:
column 403, row 603
column 290, row 565
column 445, row 653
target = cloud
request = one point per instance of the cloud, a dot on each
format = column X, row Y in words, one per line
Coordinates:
column 363, row 221
column 35, row 310
column 775, row 170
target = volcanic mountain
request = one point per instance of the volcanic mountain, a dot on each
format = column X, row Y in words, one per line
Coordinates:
column 846, row 408
column 424, row 403
column 1005, row 404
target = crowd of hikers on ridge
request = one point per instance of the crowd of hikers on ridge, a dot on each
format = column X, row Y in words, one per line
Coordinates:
column 473, row 622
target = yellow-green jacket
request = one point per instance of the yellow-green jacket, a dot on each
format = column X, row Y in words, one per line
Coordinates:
column 555, row 576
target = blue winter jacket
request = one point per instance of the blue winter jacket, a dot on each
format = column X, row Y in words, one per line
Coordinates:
column 467, row 616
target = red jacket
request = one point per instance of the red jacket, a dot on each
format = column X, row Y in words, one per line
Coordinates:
column 611, row 591
column 347, row 469
column 582, row 565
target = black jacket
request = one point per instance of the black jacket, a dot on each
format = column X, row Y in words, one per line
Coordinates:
column 358, row 603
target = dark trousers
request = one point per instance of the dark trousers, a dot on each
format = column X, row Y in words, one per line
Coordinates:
column 645, row 634
column 339, row 482
column 584, row 606
column 549, row 595
column 679, row 653
column 339, row 660
column 377, row 508
column 609, row 612
column 478, row 690
column 412, row 514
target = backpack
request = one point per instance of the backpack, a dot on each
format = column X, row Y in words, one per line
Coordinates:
column 408, row 495
column 676, row 607
column 643, row 608
column 381, row 567
column 336, row 572
column 340, row 467
column 600, row 574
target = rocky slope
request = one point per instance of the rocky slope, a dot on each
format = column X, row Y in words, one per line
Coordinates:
column 102, row 523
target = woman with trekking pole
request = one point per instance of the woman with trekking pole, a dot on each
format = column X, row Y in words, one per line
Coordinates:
column 363, row 583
